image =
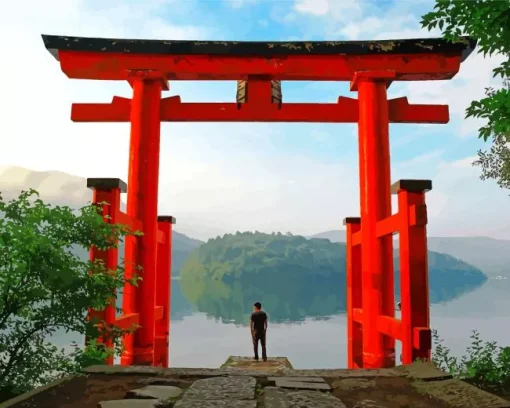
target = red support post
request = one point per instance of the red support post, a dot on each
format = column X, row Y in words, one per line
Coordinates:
column 375, row 203
column 106, row 190
column 416, row 334
column 163, row 291
column 354, row 296
column 142, row 204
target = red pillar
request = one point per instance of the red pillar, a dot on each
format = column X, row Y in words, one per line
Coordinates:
column 354, row 288
column 106, row 190
column 142, row 204
column 163, row 291
column 415, row 308
column 375, row 203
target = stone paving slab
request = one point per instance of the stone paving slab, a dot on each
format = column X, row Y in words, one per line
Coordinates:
column 301, row 379
column 278, row 398
column 215, row 404
column 175, row 382
column 131, row 370
column 300, row 385
column 248, row 363
column 222, row 388
column 344, row 373
column 160, row 392
column 423, row 371
column 195, row 372
column 460, row 394
column 131, row 403
column 156, row 371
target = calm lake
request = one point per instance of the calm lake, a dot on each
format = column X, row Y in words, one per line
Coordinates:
column 199, row 340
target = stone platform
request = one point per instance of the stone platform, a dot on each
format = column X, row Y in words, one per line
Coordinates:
column 273, row 364
column 244, row 383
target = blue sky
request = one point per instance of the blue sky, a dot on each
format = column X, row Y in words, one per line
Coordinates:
column 221, row 177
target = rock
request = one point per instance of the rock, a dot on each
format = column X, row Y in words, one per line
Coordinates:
column 457, row 393
column 222, row 388
column 131, row 403
column 345, row 373
column 277, row 398
column 354, row 383
column 423, row 371
column 160, row 392
column 300, row 385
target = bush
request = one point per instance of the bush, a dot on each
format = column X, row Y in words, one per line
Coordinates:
column 45, row 286
column 486, row 364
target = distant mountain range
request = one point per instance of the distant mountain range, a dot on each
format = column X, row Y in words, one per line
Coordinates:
column 490, row 255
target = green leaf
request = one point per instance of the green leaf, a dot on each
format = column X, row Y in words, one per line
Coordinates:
column 46, row 285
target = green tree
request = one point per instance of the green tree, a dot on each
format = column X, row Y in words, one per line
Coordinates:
column 46, row 287
column 489, row 22
column 485, row 365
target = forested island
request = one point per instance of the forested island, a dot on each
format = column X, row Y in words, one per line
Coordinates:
column 292, row 276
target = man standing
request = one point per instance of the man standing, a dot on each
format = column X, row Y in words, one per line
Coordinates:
column 258, row 327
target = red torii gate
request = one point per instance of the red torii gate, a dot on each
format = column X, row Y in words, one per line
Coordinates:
column 370, row 66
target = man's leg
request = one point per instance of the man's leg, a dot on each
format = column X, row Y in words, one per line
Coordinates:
column 255, row 346
column 263, row 345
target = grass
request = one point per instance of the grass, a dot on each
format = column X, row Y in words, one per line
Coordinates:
column 484, row 365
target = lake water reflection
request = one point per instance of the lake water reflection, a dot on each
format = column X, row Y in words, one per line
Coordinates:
column 198, row 340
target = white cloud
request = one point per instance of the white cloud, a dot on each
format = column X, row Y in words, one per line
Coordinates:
column 474, row 76
column 313, row 7
column 214, row 178
column 360, row 20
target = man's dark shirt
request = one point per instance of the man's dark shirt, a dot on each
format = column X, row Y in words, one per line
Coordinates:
column 258, row 319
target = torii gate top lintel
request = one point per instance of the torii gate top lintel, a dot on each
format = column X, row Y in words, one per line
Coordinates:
column 411, row 59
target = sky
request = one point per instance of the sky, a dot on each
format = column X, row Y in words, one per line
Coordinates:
column 218, row 178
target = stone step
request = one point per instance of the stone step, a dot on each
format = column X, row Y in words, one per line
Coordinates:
column 222, row 388
column 300, row 385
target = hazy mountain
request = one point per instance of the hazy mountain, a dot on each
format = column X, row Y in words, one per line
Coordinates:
column 490, row 255
column 296, row 277
column 333, row 236
column 58, row 188
column 55, row 187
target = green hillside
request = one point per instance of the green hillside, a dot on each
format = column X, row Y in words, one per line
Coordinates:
column 292, row 276
column 491, row 255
